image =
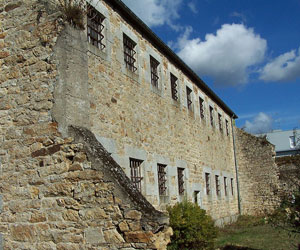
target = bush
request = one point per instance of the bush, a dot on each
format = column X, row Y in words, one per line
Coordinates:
column 192, row 227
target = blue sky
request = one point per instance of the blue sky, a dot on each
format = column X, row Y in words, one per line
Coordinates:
column 247, row 51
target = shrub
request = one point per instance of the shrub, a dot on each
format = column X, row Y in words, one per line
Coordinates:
column 192, row 227
column 74, row 12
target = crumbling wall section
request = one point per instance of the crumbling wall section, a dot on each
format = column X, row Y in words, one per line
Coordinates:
column 257, row 172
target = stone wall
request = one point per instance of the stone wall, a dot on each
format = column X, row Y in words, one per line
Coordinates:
column 258, row 173
column 54, row 193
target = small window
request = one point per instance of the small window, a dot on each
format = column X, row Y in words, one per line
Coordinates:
column 227, row 127
column 201, row 103
column 129, row 53
column 135, row 170
column 162, row 179
column 211, row 114
column 154, row 71
column 95, row 27
column 180, row 173
column 220, row 123
column 231, row 184
column 207, row 183
column 189, row 98
column 225, row 186
column 174, row 86
column 196, row 194
column 218, row 190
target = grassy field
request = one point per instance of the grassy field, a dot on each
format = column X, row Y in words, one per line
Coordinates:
column 255, row 234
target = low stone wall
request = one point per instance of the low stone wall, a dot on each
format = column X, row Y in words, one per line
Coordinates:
column 257, row 172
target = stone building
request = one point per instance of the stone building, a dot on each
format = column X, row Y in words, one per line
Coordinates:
column 101, row 128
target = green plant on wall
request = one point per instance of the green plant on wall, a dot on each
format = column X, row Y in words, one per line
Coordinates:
column 193, row 228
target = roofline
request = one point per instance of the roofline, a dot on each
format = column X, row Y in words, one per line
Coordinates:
column 135, row 21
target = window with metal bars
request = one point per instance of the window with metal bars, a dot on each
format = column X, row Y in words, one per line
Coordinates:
column 227, row 127
column 180, row 174
column 201, row 103
column 231, row 183
column 189, row 98
column 154, row 71
column 207, row 183
column 174, row 86
column 135, row 171
column 225, row 186
column 129, row 53
column 162, row 179
column 218, row 190
column 95, row 27
column 220, row 123
column 211, row 113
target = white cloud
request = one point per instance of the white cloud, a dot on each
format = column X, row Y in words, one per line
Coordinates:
column 262, row 123
column 225, row 56
column 193, row 7
column 285, row 67
column 156, row 12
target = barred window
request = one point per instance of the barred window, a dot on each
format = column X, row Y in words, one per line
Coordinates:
column 180, row 174
column 218, row 190
column 174, row 87
column 189, row 98
column 162, row 179
column 129, row 53
column 225, row 186
column 95, row 27
column 154, row 71
column 227, row 127
column 220, row 123
column 201, row 103
column 231, row 182
column 135, row 171
column 211, row 113
column 207, row 183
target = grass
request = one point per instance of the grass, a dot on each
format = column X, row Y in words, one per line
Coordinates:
column 254, row 233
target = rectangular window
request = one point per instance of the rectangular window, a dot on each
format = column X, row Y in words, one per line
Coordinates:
column 227, row 127
column 135, row 171
column 174, row 86
column 162, row 179
column 196, row 193
column 231, row 183
column 189, row 98
column 129, row 53
column 220, row 123
column 201, row 103
column 211, row 114
column 154, row 71
column 180, row 174
column 225, row 186
column 207, row 183
column 218, row 190
column 95, row 27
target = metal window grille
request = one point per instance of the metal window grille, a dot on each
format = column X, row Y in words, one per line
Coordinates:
column 174, row 87
column 135, row 170
column 189, row 97
column 207, row 183
column 180, row 180
column 227, row 127
column 211, row 112
column 225, row 186
column 162, row 179
column 218, row 191
column 201, row 101
column 220, row 122
column 95, row 27
column 154, row 71
column 231, row 182
column 129, row 53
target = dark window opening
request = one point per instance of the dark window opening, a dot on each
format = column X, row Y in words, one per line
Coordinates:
column 189, row 98
column 231, row 182
column 154, row 71
column 207, row 183
column 218, row 191
column 211, row 113
column 220, row 122
column 174, row 87
column 201, row 102
column 225, row 186
column 180, row 180
column 162, row 179
column 196, row 193
column 95, row 27
column 227, row 127
column 129, row 53
column 135, row 171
